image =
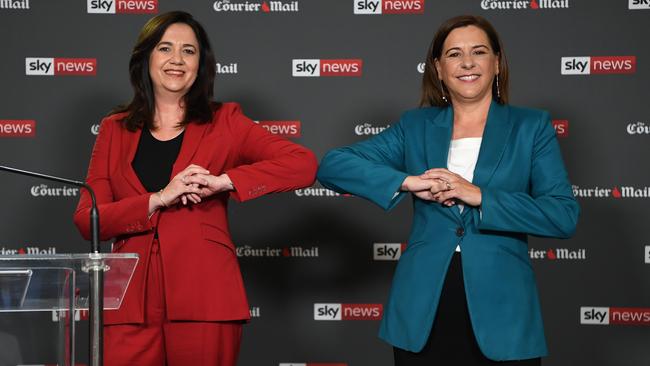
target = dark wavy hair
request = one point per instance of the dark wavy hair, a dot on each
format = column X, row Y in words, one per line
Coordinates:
column 432, row 87
column 199, row 106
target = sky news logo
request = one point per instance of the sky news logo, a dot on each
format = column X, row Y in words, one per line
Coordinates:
column 17, row 128
column 639, row 4
column 122, row 6
column 282, row 128
column 614, row 316
column 387, row 251
column 48, row 66
column 348, row 311
column 311, row 364
column 587, row 65
column 561, row 127
column 366, row 7
column 333, row 67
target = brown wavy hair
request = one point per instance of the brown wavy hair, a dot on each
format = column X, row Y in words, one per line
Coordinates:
column 199, row 106
column 432, row 87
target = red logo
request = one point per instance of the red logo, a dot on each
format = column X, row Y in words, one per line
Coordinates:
column 561, row 127
column 631, row 316
column 403, row 6
column 265, row 7
column 341, row 67
column 551, row 254
column 361, row 311
column 75, row 66
column 137, row 6
column 534, row 4
column 282, row 128
column 17, row 128
column 613, row 64
column 616, row 193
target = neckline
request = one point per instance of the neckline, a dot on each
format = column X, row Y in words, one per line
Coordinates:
column 163, row 141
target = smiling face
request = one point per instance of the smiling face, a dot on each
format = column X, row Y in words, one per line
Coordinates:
column 174, row 62
column 467, row 65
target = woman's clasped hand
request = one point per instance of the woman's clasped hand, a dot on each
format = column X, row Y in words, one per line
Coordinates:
column 193, row 184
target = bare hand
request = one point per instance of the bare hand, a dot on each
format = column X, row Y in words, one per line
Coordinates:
column 459, row 188
column 183, row 187
column 423, row 187
column 210, row 184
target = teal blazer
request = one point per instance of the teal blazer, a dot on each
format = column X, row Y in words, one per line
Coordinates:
column 525, row 191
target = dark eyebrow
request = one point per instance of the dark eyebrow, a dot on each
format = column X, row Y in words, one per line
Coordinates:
column 169, row 44
column 473, row 47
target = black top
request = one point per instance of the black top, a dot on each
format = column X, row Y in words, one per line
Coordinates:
column 154, row 160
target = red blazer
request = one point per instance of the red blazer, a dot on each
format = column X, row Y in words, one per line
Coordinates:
column 201, row 270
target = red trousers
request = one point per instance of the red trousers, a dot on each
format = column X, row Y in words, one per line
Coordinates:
column 160, row 342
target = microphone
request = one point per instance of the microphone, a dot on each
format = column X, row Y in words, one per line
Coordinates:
column 96, row 270
column 94, row 213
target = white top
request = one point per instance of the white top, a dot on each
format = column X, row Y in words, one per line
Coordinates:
column 463, row 154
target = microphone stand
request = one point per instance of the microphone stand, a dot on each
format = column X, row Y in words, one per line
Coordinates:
column 95, row 269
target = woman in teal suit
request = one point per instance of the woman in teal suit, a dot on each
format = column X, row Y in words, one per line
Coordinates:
column 483, row 176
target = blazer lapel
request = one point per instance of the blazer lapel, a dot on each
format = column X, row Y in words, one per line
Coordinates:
column 495, row 137
column 130, row 142
column 191, row 141
column 437, row 137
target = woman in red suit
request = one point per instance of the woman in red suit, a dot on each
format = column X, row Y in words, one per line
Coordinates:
column 163, row 168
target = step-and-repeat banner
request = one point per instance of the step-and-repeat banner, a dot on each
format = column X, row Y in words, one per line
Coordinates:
column 326, row 73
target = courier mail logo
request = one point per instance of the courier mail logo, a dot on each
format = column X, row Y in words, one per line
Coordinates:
column 48, row 66
column 587, row 65
column 374, row 7
column 348, row 311
column 387, row 251
column 333, row 67
column 122, row 6
column 17, row 128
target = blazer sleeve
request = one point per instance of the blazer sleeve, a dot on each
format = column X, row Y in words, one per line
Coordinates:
column 372, row 169
column 126, row 216
column 266, row 162
column 550, row 209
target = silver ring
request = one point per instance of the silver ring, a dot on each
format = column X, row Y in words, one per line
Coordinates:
column 448, row 185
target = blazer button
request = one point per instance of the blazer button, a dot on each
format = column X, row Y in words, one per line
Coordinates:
column 460, row 231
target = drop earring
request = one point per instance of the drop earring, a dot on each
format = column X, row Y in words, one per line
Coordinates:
column 498, row 90
column 442, row 91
